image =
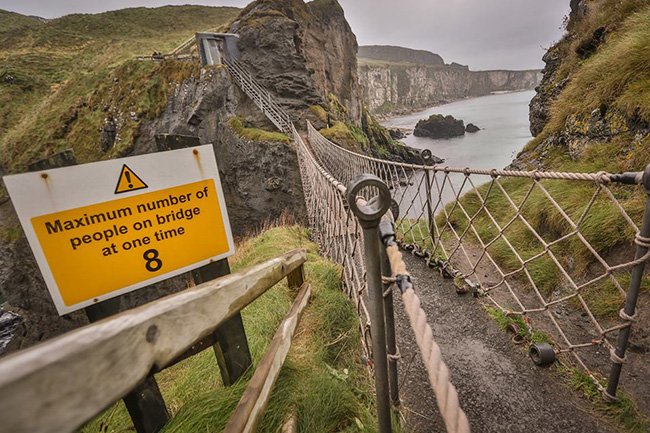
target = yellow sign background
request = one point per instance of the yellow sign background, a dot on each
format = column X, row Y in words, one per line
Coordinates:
column 85, row 273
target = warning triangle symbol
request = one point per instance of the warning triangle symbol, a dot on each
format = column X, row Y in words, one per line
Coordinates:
column 129, row 181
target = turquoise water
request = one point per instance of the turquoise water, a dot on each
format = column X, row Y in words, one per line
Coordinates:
column 505, row 130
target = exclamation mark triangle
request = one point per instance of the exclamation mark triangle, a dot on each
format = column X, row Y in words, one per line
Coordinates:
column 129, row 181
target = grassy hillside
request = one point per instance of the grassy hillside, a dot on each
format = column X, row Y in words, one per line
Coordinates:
column 393, row 54
column 322, row 382
column 612, row 77
column 59, row 80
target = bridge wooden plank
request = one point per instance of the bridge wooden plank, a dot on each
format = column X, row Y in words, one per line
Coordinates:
column 62, row 383
column 250, row 409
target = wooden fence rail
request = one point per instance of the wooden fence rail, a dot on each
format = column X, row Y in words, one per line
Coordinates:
column 250, row 409
column 61, row 384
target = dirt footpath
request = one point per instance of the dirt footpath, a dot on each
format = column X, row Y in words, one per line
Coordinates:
column 499, row 387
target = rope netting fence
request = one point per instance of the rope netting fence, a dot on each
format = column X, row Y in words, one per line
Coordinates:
column 555, row 249
column 337, row 231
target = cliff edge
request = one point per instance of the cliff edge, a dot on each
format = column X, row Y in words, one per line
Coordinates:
column 397, row 79
column 593, row 104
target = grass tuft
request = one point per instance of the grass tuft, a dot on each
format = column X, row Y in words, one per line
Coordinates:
column 238, row 125
column 525, row 331
column 624, row 413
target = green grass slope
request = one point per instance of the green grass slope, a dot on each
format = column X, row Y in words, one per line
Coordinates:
column 64, row 72
column 322, row 383
column 614, row 79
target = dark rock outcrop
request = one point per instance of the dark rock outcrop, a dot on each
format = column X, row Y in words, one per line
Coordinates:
column 396, row 134
column 260, row 179
column 472, row 128
column 439, row 126
column 547, row 91
column 301, row 52
column 589, row 46
column 109, row 133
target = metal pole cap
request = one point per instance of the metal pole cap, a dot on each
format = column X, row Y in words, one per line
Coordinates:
column 426, row 156
column 370, row 214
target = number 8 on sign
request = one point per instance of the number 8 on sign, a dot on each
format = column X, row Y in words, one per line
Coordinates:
column 153, row 262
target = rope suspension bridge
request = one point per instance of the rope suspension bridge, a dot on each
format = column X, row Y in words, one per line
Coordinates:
column 486, row 229
column 557, row 256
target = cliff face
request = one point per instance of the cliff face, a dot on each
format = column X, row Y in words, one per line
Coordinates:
column 594, row 99
column 301, row 52
column 390, row 87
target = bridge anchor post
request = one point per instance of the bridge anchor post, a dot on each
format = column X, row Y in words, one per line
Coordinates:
column 628, row 312
column 426, row 156
column 369, row 214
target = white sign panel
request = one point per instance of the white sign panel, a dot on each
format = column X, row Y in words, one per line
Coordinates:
column 103, row 229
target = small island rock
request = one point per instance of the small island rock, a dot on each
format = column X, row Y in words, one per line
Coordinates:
column 472, row 128
column 439, row 126
column 396, row 133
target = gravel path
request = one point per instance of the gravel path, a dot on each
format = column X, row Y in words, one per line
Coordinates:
column 500, row 389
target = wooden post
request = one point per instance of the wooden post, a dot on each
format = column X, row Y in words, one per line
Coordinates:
column 145, row 403
column 231, row 349
column 296, row 278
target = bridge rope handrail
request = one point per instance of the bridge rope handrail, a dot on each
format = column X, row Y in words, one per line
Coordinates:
column 452, row 413
column 602, row 177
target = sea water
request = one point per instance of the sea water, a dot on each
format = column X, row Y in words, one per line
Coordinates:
column 503, row 119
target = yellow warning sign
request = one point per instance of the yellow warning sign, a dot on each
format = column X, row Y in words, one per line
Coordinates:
column 97, row 249
column 128, row 181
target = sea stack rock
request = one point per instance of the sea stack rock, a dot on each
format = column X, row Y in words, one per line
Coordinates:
column 472, row 128
column 396, row 134
column 439, row 126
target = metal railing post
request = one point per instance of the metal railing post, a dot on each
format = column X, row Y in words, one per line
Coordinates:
column 629, row 309
column 389, row 315
column 426, row 155
column 369, row 215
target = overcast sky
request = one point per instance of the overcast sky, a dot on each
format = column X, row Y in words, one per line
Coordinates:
column 484, row 34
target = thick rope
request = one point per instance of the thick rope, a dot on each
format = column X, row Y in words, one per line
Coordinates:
column 446, row 395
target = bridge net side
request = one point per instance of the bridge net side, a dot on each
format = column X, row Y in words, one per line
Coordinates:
column 548, row 249
column 336, row 230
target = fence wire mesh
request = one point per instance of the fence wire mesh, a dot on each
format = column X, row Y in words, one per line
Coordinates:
column 553, row 248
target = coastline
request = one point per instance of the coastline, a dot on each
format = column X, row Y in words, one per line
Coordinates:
column 411, row 110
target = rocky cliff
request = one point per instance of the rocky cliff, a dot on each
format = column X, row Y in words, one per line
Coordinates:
column 390, row 81
column 387, row 88
column 303, row 53
column 594, row 99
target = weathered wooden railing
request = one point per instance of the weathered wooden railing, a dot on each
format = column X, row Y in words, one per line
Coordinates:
column 61, row 384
